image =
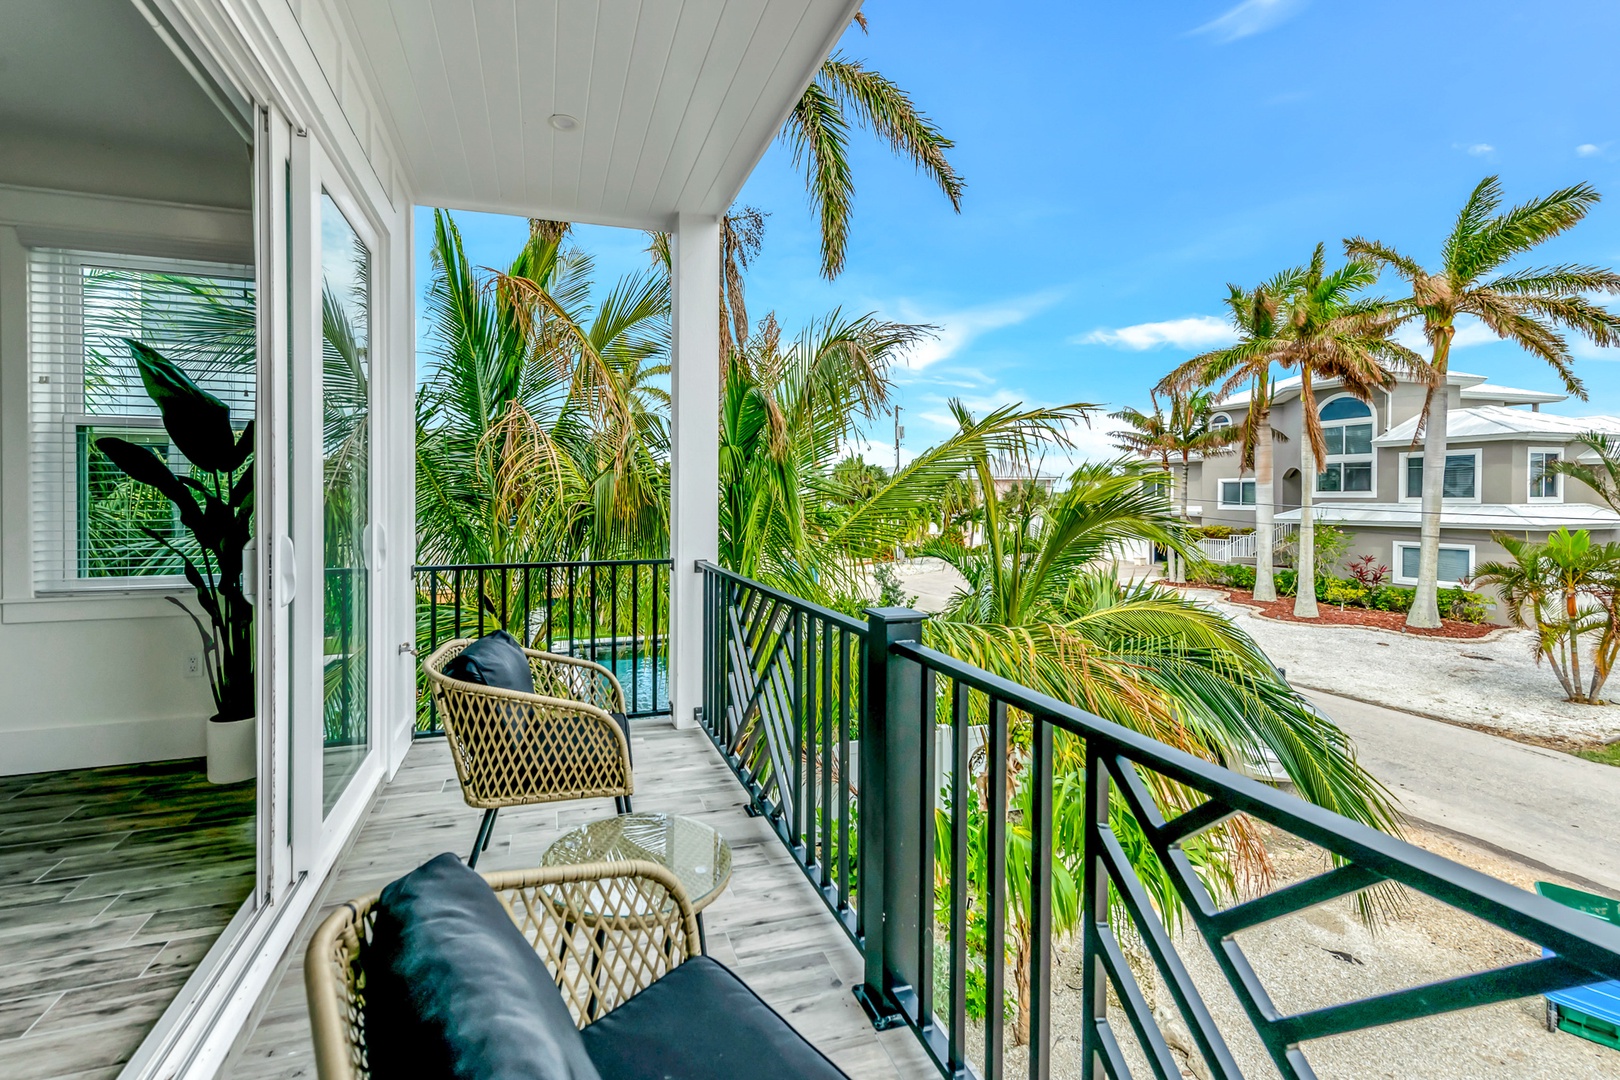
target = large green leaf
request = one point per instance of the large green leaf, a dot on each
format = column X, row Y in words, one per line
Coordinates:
column 197, row 421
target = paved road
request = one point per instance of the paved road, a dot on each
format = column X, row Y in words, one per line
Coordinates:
column 1546, row 807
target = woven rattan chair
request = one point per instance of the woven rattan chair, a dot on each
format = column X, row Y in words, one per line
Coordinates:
column 599, row 961
column 570, row 740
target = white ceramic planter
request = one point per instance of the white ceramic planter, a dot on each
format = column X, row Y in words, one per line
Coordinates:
column 232, row 751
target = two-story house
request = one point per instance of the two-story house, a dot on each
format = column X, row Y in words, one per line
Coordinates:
column 1370, row 482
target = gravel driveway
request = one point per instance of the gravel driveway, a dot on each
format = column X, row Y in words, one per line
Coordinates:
column 1491, row 682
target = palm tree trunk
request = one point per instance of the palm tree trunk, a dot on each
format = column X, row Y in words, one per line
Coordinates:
column 1572, row 610
column 1265, row 584
column 1425, row 611
column 1181, row 563
column 1305, row 565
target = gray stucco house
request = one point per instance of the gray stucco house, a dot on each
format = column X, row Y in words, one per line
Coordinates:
column 1496, row 481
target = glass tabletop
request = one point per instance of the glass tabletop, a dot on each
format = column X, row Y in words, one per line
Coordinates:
column 698, row 856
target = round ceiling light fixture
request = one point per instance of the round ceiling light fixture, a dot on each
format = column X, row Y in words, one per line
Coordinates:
column 564, row 122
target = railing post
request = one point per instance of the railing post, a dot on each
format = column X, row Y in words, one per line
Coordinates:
column 889, row 891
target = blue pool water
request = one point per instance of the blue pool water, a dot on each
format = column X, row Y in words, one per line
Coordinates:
column 644, row 678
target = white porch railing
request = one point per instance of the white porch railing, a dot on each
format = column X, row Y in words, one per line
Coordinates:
column 1241, row 547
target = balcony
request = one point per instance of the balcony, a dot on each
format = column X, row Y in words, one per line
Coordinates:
column 847, row 817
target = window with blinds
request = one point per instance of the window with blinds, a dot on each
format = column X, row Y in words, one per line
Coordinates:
column 93, row 526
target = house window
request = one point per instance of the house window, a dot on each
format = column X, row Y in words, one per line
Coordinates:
column 1456, row 563
column 1460, row 482
column 1347, row 429
column 1236, row 493
column 1220, row 420
column 93, row 526
column 1545, row 486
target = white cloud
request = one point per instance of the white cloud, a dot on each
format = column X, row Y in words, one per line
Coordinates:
column 1249, row 17
column 1192, row 332
column 1587, row 149
column 1480, row 149
column 956, row 330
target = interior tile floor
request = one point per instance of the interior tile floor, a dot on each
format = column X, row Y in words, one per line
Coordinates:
column 114, row 883
column 769, row 925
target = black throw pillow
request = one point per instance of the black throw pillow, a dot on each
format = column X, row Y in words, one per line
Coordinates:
column 454, row 990
column 701, row 1022
column 496, row 659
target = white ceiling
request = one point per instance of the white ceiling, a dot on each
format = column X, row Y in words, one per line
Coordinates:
column 677, row 98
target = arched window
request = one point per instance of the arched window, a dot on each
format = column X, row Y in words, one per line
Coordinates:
column 1347, row 429
column 1220, row 420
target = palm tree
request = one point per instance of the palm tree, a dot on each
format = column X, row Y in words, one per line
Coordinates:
column 1254, row 316
column 1182, row 432
column 1563, row 589
column 1042, row 606
column 1331, row 334
column 846, row 92
column 541, row 429
column 1523, row 306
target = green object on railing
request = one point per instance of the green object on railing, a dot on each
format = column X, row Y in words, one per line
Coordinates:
column 1593, row 1011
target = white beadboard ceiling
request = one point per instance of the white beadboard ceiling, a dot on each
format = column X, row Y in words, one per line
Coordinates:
column 677, row 99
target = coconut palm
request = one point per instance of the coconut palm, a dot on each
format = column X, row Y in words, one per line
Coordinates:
column 1330, row 332
column 1253, row 313
column 1042, row 606
column 1527, row 307
column 844, row 93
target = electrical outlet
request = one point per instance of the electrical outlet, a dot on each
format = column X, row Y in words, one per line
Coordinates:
column 194, row 665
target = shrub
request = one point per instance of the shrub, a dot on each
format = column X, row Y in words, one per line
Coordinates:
column 1286, row 582
column 1391, row 598
column 1343, row 593
column 1462, row 605
column 1206, row 573
column 1239, row 576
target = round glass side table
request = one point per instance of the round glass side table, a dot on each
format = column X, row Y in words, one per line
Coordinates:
column 697, row 855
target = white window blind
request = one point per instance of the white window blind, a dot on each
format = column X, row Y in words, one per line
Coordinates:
column 90, row 521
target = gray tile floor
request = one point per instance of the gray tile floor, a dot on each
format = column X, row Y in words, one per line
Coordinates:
column 113, row 885
column 769, row 925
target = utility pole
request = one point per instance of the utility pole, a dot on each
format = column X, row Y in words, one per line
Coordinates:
column 899, row 433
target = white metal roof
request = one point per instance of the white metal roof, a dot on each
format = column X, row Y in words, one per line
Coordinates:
column 1508, row 517
column 1510, row 395
column 1493, row 423
column 1286, row 389
column 676, row 100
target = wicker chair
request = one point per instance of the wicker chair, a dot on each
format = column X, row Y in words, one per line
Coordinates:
column 599, row 961
column 569, row 740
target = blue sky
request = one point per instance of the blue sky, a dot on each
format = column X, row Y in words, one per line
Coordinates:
column 1124, row 161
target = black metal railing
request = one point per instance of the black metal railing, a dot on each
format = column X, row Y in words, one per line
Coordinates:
column 953, row 889
column 779, row 702
column 612, row 611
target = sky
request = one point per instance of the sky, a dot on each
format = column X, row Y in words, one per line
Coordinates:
column 1124, row 162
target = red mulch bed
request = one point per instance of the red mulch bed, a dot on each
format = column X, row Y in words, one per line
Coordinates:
column 1332, row 615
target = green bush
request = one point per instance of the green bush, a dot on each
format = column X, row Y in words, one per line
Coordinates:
column 1341, row 592
column 1207, row 573
column 1462, row 605
column 1216, row 532
column 1286, row 582
column 1391, row 598
column 1239, row 576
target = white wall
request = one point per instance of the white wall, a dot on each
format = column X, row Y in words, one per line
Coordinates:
column 88, row 681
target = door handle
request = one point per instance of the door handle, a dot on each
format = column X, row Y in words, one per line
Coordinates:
column 286, row 571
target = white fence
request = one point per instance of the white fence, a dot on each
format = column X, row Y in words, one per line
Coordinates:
column 1240, row 548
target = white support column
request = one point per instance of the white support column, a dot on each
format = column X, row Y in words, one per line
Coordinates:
column 694, row 452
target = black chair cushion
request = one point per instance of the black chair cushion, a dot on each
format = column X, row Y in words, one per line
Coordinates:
column 496, row 659
column 454, row 990
column 701, row 1022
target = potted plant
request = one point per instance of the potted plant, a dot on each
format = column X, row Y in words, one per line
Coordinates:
column 215, row 505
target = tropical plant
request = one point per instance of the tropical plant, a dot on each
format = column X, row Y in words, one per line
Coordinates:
column 1043, row 607
column 215, row 505
column 844, row 93
column 542, row 429
column 1526, row 307
column 1564, row 589
column 1601, row 474
column 1253, row 313
column 1331, row 332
